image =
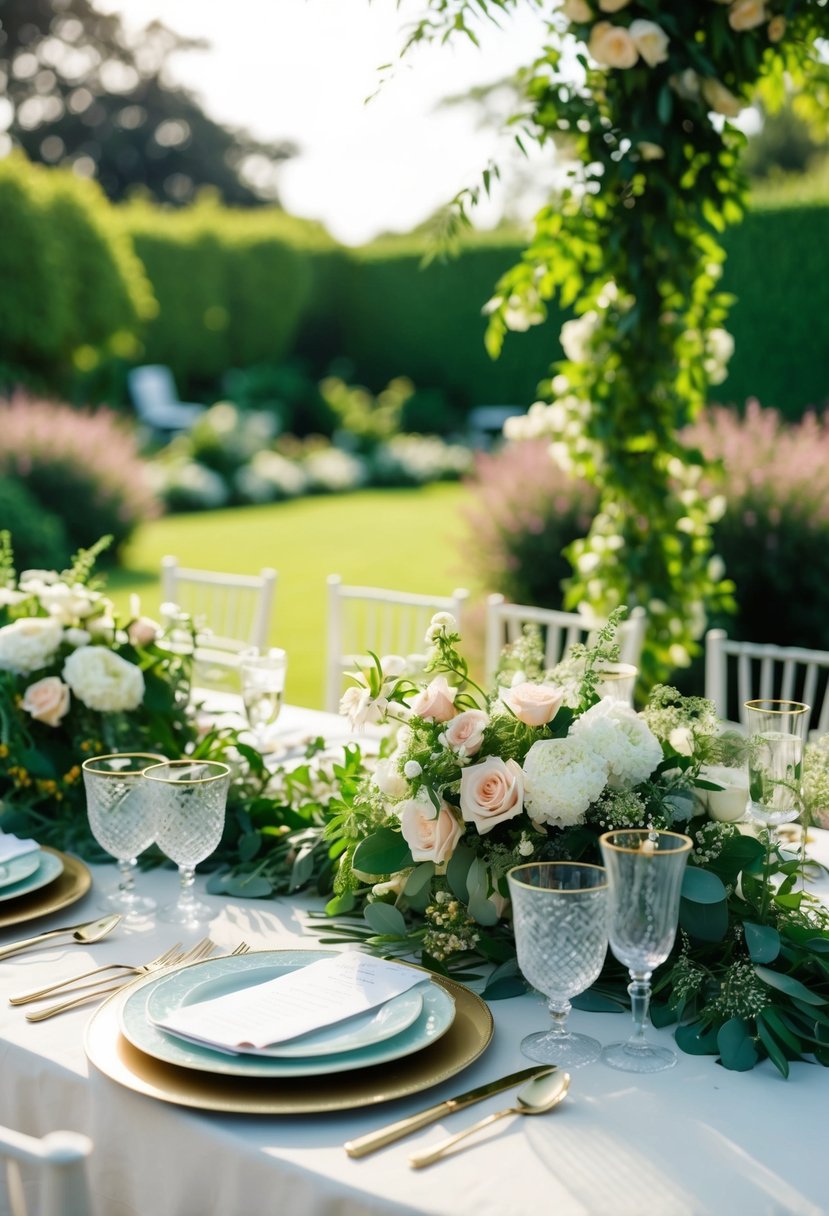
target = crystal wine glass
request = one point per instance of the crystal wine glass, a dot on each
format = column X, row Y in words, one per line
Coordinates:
column 776, row 738
column 188, row 799
column 644, row 872
column 121, row 820
column 262, row 678
column 560, row 916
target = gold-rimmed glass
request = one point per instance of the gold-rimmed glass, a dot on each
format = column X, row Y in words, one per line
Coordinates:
column 777, row 732
column 644, row 873
column 188, row 800
column 121, row 820
column 559, row 912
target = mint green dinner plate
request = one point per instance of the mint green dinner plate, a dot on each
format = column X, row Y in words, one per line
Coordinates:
column 19, row 868
column 49, row 867
column 159, row 996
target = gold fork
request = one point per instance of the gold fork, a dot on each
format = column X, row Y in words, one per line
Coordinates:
column 75, row 981
column 195, row 954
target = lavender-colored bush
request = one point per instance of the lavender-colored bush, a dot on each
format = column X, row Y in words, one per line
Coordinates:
column 81, row 466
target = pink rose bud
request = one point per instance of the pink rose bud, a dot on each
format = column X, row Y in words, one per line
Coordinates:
column 534, row 704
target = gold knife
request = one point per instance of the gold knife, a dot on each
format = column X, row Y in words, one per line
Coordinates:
column 364, row 1145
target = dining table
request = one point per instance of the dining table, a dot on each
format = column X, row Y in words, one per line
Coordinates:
column 695, row 1140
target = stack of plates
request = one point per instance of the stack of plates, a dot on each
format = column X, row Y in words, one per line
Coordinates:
column 39, row 882
column 419, row 1038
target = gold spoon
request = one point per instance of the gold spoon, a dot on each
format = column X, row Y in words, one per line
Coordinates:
column 92, row 931
column 541, row 1093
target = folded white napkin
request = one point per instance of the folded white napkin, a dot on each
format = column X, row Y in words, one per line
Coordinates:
column 320, row 994
column 12, row 846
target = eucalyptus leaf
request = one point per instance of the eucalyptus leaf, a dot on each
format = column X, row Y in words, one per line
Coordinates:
column 457, row 870
column 789, row 985
column 419, row 878
column 384, row 852
column 704, row 922
column 702, row 887
column 385, row 919
column 695, row 1039
column 763, row 942
column 736, row 1046
column 253, row 887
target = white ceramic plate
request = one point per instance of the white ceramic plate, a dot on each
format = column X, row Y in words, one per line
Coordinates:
column 49, row 867
column 215, row 977
column 19, row 867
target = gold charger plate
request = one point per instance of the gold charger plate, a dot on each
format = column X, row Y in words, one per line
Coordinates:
column 67, row 888
column 467, row 1038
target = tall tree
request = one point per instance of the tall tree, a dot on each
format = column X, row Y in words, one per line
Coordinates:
column 83, row 92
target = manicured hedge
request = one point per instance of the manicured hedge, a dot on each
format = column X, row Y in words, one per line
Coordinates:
column 231, row 286
column 398, row 316
column 71, row 288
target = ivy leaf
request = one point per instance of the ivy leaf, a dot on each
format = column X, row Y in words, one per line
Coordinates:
column 736, row 1046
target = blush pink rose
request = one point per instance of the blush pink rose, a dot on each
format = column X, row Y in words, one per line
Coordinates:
column 467, row 731
column 143, row 631
column 534, row 704
column 430, row 835
column 491, row 793
column 436, row 702
column 47, row 700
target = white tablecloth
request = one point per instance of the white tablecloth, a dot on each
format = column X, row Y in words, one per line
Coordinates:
column 695, row 1140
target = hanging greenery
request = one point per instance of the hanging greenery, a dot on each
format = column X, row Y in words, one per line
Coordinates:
column 643, row 94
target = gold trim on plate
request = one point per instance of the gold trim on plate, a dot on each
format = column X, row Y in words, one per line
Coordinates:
column 67, row 888
column 467, row 1038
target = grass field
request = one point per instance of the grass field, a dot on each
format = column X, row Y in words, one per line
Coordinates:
column 408, row 540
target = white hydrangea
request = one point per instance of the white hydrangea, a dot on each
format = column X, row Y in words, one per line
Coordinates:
column 622, row 738
column 561, row 779
column 102, row 680
column 28, row 644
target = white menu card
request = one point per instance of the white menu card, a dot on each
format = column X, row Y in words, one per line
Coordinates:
column 320, row 994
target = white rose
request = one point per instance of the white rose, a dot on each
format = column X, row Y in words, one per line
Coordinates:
column 431, row 835
column 29, row 644
column 720, row 99
column 9, row 597
column 612, row 45
column 746, row 14
column 47, row 700
column 650, row 40
column 534, row 704
column 577, row 10
column 491, row 793
column 102, row 680
column 777, row 28
column 76, row 637
column 466, row 732
column 389, row 780
column 71, row 604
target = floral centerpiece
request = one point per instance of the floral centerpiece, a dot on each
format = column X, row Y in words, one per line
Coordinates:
column 477, row 783
column 74, row 683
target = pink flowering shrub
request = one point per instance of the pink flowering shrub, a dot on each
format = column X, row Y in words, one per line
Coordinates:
column 773, row 537
column 82, row 467
column 524, row 512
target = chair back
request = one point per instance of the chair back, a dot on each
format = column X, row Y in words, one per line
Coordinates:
column 736, row 672
column 369, row 619
column 58, row 1163
column 560, row 630
column 231, row 612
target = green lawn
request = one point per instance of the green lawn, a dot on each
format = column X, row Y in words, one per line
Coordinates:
column 408, row 540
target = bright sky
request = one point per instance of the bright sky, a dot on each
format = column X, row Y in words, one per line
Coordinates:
column 302, row 69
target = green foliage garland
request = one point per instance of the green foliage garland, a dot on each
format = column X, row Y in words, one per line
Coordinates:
column 642, row 92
